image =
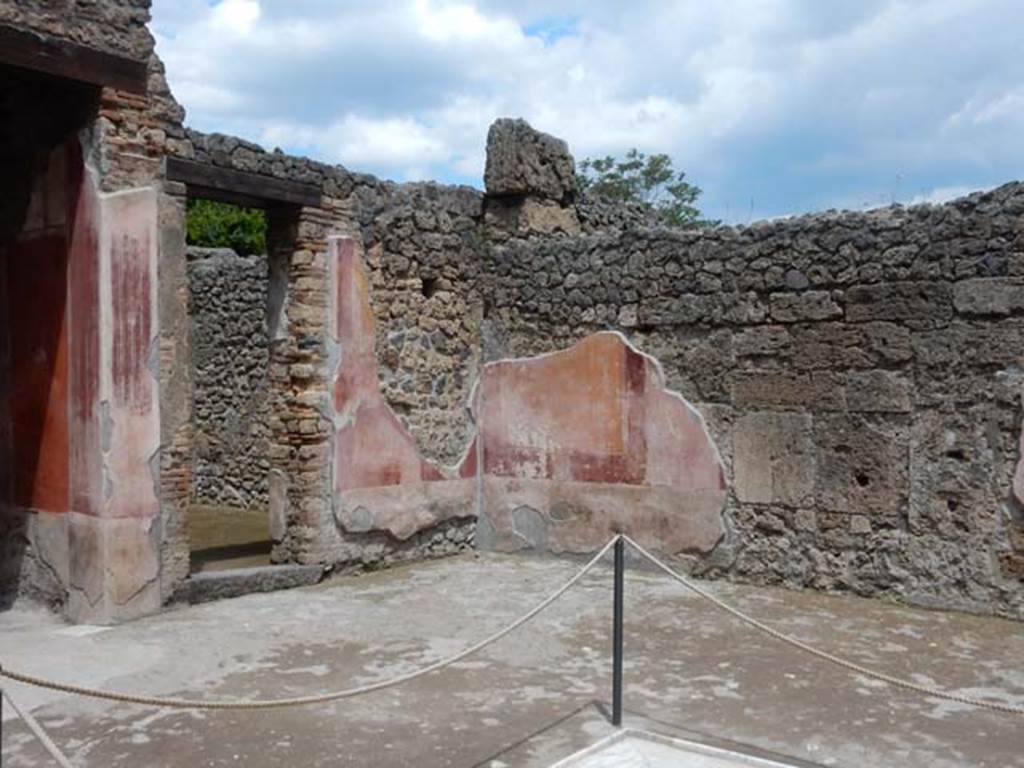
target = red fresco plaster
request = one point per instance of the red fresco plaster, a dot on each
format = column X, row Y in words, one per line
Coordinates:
column 37, row 284
column 595, row 413
column 588, row 438
column 373, row 447
column 42, row 342
column 585, row 442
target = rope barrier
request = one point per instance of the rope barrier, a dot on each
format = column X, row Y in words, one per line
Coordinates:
column 851, row 666
column 37, row 730
column 175, row 703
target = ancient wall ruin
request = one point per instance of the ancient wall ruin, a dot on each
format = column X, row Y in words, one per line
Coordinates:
column 852, row 382
column 860, row 372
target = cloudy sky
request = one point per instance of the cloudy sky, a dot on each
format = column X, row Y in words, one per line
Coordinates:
column 773, row 107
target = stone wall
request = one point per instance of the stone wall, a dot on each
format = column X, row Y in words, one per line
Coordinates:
column 113, row 26
column 228, row 310
column 860, row 372
column 420, row 243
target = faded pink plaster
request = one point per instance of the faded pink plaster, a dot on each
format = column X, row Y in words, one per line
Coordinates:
column 584, row 442
column 128, row 334
column 113, row 528
column 381, row 482
column 373, row 447
column 597, row 412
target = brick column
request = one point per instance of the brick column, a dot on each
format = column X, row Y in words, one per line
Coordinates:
column 299, row 423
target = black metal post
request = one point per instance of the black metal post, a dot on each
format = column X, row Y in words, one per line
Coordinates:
column 620, row 570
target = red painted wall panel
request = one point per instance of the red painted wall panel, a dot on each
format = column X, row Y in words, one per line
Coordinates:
column 37, row 281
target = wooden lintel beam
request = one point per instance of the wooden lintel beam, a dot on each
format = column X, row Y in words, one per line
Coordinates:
column 240, row 187
column 62, row 58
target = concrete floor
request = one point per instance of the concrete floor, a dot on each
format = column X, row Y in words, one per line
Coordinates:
column 691, row 671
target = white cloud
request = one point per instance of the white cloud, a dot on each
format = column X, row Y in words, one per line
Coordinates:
column 776, row 106
column 236, row 18
column 390, row 142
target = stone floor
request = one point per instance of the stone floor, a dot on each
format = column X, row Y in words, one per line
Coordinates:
column 222, row 538
column 532, row 699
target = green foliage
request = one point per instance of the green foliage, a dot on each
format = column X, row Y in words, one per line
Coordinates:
column 650, row 181
column 219, row 225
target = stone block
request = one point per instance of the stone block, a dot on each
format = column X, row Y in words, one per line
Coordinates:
column 765, row 341
column 218, row 585
column 531, row 216
column 524, row 161
column 704, row 309
column 114, row 570
column 862, row 465
column 957, row 485
column 877, row 391
column 850, row 345
column 817, row 390
column 803, row 307
column 773, row 458
column 961, row 359
column 915, row 304
column 989, row 296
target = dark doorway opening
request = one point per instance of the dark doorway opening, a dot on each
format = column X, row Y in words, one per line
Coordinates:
column 229, row 282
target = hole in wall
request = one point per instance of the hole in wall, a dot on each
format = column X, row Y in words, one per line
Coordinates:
column 428, row 287
column 862, row 479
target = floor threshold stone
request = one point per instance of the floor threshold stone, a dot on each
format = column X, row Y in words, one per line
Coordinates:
column 217, row 585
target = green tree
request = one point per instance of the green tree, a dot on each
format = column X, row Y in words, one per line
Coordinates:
column 648, row 180
column 219, row 225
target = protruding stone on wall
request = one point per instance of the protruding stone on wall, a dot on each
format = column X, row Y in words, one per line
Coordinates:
column 581, row 443
column 524, row 161
column 531, row 182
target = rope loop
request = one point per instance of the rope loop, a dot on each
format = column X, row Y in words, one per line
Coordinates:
column 347, row 693
column 846, row 664
column 252, row 704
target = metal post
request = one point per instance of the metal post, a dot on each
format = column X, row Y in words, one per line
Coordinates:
column 620, row 569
